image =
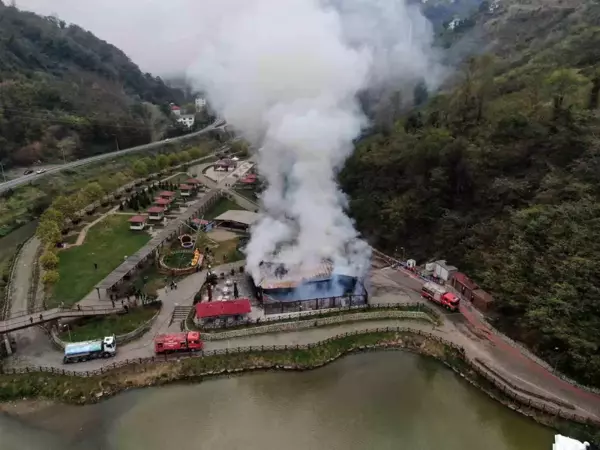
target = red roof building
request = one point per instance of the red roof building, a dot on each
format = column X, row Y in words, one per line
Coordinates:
column 160, row 201
column 193, row 181
column 463, row 284
column 213, row 310
column 137, row 222
column 138, row 219
column 185, row 187
column 175, row 108
column 156, row 210
column 166, row 194
column 249, row 179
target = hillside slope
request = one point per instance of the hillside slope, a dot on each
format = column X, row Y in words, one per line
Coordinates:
column 500, row 176
column 64, row 91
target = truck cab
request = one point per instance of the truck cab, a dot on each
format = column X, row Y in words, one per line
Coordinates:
column 450, row 301
column 438, row 294
column 110, row 345
column 178, row 342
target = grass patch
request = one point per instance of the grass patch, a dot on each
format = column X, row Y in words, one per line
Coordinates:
column 178, row 260
column 26, row 202
column 249, row 193
column 223, row 251
column 98, row 327
column 178, row 179
column 222, row 205
column 106, row 244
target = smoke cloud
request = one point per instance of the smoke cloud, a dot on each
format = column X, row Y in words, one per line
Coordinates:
column 286, row 75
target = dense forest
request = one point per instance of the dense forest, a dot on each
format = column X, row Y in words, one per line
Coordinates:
column 500, row 176
column 64, row 93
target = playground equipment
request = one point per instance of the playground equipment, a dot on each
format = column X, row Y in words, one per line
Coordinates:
column 196, row 258
column 186, row 240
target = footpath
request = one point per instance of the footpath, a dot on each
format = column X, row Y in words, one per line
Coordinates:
column 468, row 330
column 141, row 348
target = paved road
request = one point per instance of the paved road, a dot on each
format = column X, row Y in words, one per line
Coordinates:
column 23, row 275
column 387, row 285
column 46, row 355
column 82, row 162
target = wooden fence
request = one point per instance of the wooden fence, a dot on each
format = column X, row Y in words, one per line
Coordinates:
column 522, row 400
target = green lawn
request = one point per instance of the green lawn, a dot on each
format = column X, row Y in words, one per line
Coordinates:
column 98, row 327
column 222, row 205
column 247, row 193
column 106, row 244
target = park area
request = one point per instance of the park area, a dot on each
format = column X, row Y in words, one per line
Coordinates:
column 106, row 245
column 221, row 206
column 117, row 324
column 223, row 249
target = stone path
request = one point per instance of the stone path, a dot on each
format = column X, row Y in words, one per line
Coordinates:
column 83, row 233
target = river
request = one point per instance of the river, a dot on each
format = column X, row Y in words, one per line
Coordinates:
column 380, row 401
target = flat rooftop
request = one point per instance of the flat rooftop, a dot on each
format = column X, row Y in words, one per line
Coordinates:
column 239, row 216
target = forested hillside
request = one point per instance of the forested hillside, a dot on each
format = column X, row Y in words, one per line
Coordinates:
column 501, row 176
column 65, row 92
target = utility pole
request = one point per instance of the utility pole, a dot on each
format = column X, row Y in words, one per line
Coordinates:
column 117, row 142
column 3, row 175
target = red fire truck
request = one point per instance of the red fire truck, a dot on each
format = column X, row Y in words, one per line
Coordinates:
column 439, row 295
column 178, row 342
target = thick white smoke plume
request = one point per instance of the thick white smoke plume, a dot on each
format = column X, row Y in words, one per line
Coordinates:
column 286, row 74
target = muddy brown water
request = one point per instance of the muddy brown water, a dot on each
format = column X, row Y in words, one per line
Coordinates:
column 387, row 400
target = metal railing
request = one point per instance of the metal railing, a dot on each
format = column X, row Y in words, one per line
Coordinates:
column 324, row 313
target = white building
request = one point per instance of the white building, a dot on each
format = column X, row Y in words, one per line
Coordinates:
column 200, row 103
column 176, row 110
column 187, row 120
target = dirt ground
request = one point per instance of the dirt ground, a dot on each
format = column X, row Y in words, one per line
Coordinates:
column 221, row 235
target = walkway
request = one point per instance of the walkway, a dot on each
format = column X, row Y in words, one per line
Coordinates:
column 144, row 347
column 505, row 358
column 83, row 233
column 23, row 277
column 239, row 199
column 40, row 316
column 133, row 261
column 510, row 363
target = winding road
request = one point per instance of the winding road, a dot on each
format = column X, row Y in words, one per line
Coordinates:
column 94, row 159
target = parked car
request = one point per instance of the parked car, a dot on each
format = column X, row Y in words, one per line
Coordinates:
column 39, row 171
column 28, row 172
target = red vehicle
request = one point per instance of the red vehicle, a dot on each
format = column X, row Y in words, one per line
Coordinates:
column 178, row 342
column 439, row 295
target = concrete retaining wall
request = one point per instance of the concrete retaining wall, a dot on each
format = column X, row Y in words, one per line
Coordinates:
column 317, row 322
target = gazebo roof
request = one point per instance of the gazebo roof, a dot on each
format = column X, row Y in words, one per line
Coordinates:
column 138, row 219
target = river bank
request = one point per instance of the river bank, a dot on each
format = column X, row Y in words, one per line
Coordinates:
column 81, row 390
column 382, row 400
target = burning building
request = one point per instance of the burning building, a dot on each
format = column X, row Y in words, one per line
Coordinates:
column 283, row 289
